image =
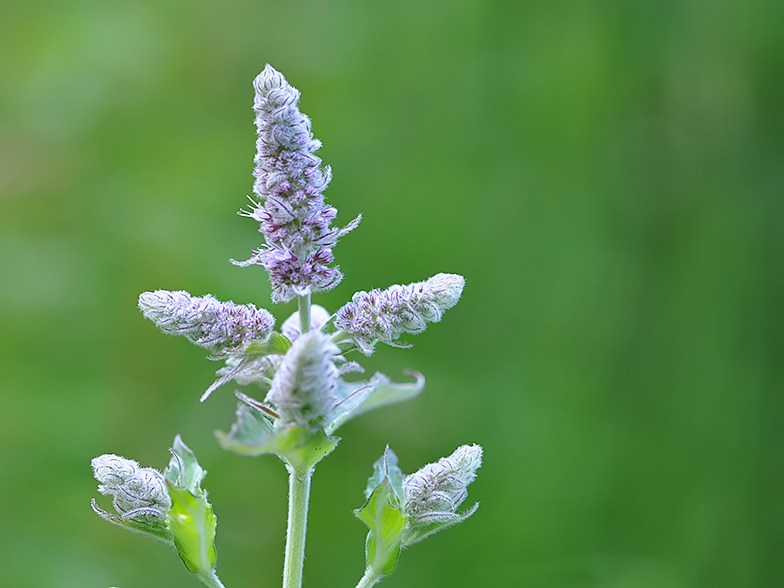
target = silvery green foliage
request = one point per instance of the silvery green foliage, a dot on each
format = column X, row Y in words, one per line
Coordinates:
column 303, row 389
column 384, row 315
column 434, row 493
column 224, row 328
column 292, row 214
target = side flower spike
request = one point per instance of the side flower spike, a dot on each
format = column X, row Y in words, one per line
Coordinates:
column 400, row 511
column 290, row 207
column 434, row 493
column 384, row 315
column 224, row 328
column 139, row 495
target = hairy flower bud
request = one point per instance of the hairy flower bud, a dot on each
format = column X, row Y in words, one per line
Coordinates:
column 318, row 318
column 221, row 327
column 434, row 493
column 295, row 221
column 384, row 315
column 138, row 493
column 303, row 389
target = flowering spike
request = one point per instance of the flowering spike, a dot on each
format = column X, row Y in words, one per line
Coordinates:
column 434, row 493
column 293, row 217
column 303, row 389
column 384, row 315
column 221, row 327
column 138, row 494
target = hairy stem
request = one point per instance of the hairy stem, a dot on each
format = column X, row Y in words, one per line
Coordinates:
column 212, row 580
column 304, row 313
column 370, row 578
column 299, row 495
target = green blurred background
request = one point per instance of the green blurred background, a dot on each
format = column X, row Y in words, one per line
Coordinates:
column 608, row 175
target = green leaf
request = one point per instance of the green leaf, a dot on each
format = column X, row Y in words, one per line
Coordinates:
column 356, row 398
column 329, row 327
column 254, row 433
column 184, row 470
column 381, row 513
column 192, row 523
column 276, row 344
column 386, row 468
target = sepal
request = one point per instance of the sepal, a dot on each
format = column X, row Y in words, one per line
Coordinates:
column 155, row 529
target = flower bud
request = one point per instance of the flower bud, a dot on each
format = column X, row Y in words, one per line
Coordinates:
column 318, row 318
column 434, row 493
column 303, row 389
column 137, row 493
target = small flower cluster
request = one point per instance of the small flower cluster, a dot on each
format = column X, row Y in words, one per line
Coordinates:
column 384, row 315
column 304, row 385
column 434, row 493
column 223, row 328
column 293, row 217
column 137, row 493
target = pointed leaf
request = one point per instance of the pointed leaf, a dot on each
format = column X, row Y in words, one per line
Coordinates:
column 356, row 398
column 251, row 431
column 192, row 524
column 381, row 513
column 276, row 344
column 386, row 468
column 184, row 470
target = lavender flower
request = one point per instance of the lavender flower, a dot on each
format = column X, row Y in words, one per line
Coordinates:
column 303, row 389
column 138, row 493
column 384, row 315
column 223, row 328
column 290, row 209
column 434, row 493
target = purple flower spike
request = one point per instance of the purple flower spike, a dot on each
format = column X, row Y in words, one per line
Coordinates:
column 295, row 221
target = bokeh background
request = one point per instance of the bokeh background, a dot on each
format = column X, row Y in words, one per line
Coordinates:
column 608, row 175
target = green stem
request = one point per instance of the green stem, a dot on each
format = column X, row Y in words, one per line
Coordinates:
column 212, row 580
column 304, row 313
column 299, row 495
column 370, row 578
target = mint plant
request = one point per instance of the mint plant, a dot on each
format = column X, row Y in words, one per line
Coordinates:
column 300, row 371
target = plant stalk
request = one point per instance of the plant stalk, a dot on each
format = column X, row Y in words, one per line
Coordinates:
column 370, row 578
column 304, row 313
column 299, row 495
column 212, row 580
